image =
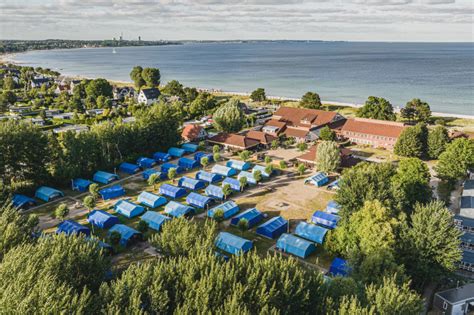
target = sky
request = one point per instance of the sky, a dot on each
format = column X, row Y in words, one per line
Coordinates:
column 353, row 20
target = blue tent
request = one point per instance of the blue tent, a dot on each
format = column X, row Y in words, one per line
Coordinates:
column 198, row 201
column 188, row 163
column 172, row 191
column 262, row 170
column 145, row 162
column 127, row 234
column 339, row 267
column 22, row 201
column 161, row 157
column 47, row 193
column 70, row 227
column 208, row 177
column 104, row 177
column 128, row 208
column 318, row 179
column 154, row 219
column 250, row 178
column 102, row 219
column 176, row 152
column 199, row 155
column 232, row 244
column 314, row 233
column 112, row 192
column 325, row 219
column 215, row 192
column 223, row 170
column 333, row 207
column 147, row 173
column 294, row 245
column 167, row 166
column 273, row 227
column 239, row 165
column 334, row 185
column 176, row 209
column 253, row 217
column 81, row 184
column 230, row 208
column 129, row 168
column 234, row 183
column 151, row 200
column 191, row 183
column 189, row 147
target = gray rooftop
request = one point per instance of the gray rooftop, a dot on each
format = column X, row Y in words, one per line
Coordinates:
column 458, row 294
column 468, row 188
column 469, row 222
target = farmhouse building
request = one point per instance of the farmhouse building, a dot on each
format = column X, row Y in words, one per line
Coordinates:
column 148, row 96
column 193, row 132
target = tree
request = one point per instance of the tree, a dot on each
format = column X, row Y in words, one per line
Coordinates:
column 243, row 225
column 430, row 242
column 216, row 157
column 136, row 76
column 416, row 109
column 269, row 169
column 7, row 98
column 172, row 174
column 218, row 215
column 229, row 117
column 326, row 134
column 438, row 139
column 377, row 108
column 310, row 100
column 226, row 190
column 153, row 179
column 267, row 159
column 190, row 94
column 328, row 156
column 302, row 146
column 258, row 95
column 61, row 212
column 174, row 88
column 244, row 155
column 151, row 76
column 142, row 226
column 412, row 142
column 98, row 87
column 216, row 149
column 115, row 238
column 301, row 169
column 94, row 190
column 456, row 160
column 203, row 104
column 89, row 202
column 275, row 144
column 282, row 164
column 8, row 83
column 202, row 145
column 257, row 175
column 204, row 162
column 243, row 182
column 15, row 228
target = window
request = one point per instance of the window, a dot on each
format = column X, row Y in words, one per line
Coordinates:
column 445, row 305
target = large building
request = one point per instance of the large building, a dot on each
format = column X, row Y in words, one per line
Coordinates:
column 303, row 124
column 234, row 142
column 455, row 301
column 372, row 132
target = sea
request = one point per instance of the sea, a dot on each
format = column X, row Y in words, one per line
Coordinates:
column 441, row 74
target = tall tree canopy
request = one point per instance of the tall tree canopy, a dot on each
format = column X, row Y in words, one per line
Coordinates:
column 413, row 142
column 151, row 76
column 310, row 100
column 438, row 139
column 377, row 108
column 98, row 87
column 258, row 95
column 456, row 160
column 229, row 117
column 136, row 76
column 417, row 110
column 328, row 156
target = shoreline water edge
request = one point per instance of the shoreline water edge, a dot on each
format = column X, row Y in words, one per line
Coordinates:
column 10, row 58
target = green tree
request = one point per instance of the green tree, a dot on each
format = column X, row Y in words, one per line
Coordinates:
column 456, row 160
column 282, row 164
column 301, row 169
column 302, row 146
column 412, row 142
column 216, row 157
column 216, row 149
column 326, row 134
column 257, row 175
column 61, row 212
column 269, row 169
column 99, row 87
column 258, row 95
column 114, row 238
column 142, row 226
column 310, row 100
column 89, row 202
column 151, row 76
column 94, row 190
column 172, row 174
column 243, row 225
column 243, row 182
column 268, row 159
column 275, row 144
column 136, row 76
column 9, row 83
column 438, row 139
column 416, row 109
column 204, row 162
column 174, row 88
column 244, row 155
column 203, row 104
column 377, row 108
column 190, row 94
column 328, row 156
column 226, row 190
column 153, row 179
column 430, row 242
column 229, row 117
column 7, row 98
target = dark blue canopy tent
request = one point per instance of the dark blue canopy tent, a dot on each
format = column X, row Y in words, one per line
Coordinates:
column 253, row 217
column 232, row 244
column 102, row 219
column 112, row 192
column 230, row 208
column 47, row 193
column 161, row 157
column 81, row 184
column 239, row 165
column 314, row 233
column 129, row 168
column 333, row 207
column 223, row 170
column 188, row 164
column 215, row 192
column 198, row 201
column 22, row 202
column 199, row 155
column 189, row 147
column 147, row 173
column 70, row 227
column 325, row 219
column 294, row 245
column 127, row 234
column 145, row 162
column 191, row 183
column 104, row 177
column 176, row 152
column 208, row 177
column 273, row 228
column 154, row 219
column 167, row 166
column 172, row 191
column 339, row 267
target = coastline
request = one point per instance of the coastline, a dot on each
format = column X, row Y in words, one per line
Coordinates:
column 10, row 58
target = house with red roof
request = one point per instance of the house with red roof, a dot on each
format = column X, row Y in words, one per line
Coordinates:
column 193, row 132
column 234, row 142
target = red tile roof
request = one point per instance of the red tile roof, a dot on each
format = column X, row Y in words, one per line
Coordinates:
column 262, row 137
column 191, row 132
column 275, row 123
column 310, row 156
column 384, row 128
column 234, row 140
column 303, row 116
column 297, row 133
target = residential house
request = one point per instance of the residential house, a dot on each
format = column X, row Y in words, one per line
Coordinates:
column 39, row 82
column 303, row 124
column 73, row 128
column 234, row 142
column 52, row 112
column 69, row 115
column 124, row 92
column 372, row 132
column 19, row 109
column 148, row 96
column 455, row 301
column 37, row 121
column 193, row 132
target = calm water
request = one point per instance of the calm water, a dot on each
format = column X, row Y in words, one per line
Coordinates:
column 442, row 74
